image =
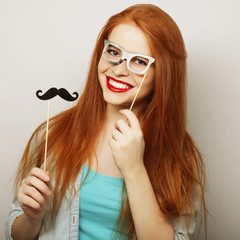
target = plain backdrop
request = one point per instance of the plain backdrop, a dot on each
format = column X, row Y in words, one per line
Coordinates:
column 49, row 43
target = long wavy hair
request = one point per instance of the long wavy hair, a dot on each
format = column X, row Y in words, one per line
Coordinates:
column 173, row 162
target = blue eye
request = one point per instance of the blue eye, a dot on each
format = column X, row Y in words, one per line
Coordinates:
column 140, row 61
column 113, row 52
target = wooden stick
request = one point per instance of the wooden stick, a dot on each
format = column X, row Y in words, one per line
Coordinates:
column 46, row 141
column 137, row 91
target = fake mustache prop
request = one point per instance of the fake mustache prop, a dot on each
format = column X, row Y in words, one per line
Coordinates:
column 53, row 92
column 49, row 94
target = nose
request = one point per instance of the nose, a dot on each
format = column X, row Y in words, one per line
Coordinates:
column 121, row 69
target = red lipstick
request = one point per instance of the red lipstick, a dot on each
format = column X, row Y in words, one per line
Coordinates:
column 115, row 88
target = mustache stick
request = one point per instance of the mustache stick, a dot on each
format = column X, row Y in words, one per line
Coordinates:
column 46, row 138
column 51, row 93
column 138, row 91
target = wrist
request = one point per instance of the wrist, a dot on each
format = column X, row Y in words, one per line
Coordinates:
column 35, row 222
column 135, row 174
column 25, row 227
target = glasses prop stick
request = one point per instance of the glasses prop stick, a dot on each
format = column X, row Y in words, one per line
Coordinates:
column 49, row 94
column 138, row 91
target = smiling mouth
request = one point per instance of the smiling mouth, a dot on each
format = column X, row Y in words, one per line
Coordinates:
column 117, row 86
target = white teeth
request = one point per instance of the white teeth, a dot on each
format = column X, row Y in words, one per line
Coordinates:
column 118, row 85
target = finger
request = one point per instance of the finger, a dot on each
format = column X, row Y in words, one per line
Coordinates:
column 39, row 173
column 35, row 195
column 38, row 184
column 122, row 126
column 116, row 135
column 28, row 202
column 131, row 117
column 112, row 143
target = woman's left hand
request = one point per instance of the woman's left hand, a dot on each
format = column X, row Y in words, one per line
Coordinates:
column 127, row 144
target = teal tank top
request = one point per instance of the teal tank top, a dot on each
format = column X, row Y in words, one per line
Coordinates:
column 100, row 203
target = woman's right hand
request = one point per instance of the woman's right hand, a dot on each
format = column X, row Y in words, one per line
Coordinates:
column 35, row 194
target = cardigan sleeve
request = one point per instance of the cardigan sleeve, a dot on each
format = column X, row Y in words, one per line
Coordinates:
column 181, row 230
column 16, row 211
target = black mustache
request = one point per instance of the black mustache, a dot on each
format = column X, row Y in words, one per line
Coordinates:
column 52, row 92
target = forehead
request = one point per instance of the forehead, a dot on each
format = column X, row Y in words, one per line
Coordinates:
column 131, row 38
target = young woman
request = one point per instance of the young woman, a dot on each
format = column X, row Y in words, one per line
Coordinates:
column 116, row 173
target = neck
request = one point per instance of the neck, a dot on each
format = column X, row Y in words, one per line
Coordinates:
column 113, row 113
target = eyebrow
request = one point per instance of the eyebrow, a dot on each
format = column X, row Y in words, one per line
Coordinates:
column 129, row 51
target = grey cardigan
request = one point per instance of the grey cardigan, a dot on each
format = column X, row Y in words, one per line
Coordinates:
column 66, row 224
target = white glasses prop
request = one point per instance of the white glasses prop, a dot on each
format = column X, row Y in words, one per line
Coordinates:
column 136, row 62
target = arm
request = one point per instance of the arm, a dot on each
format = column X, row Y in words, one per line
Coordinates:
column 149, row 221
column 25, row 227
column 34, row 197
column 127, row 146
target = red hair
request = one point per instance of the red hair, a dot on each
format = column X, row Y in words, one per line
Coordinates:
column 173, row 162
